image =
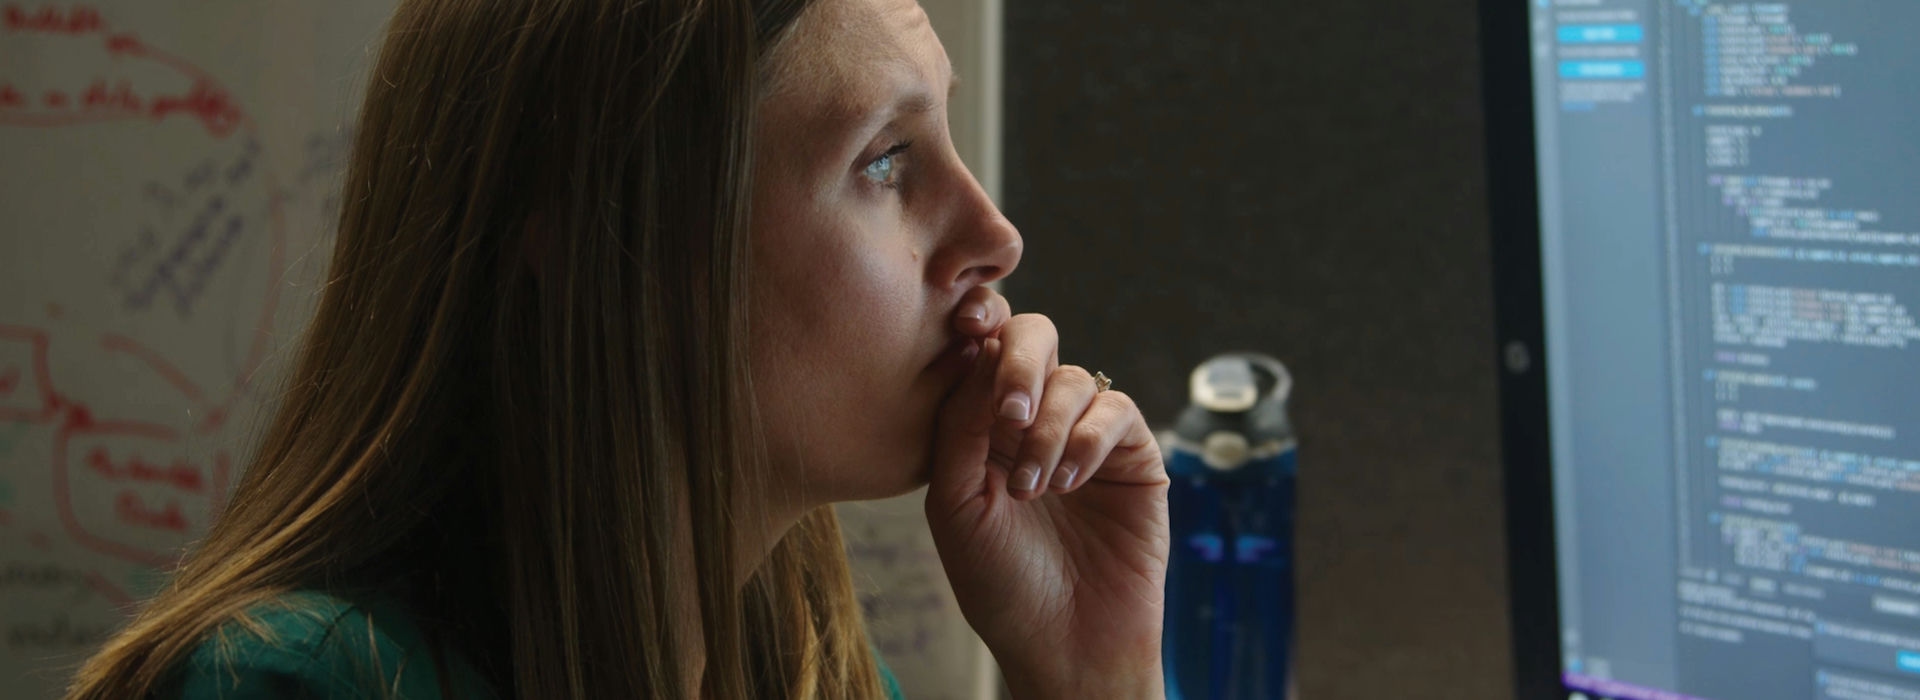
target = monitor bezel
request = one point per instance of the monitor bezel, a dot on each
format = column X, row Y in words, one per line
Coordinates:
column 1520, row 346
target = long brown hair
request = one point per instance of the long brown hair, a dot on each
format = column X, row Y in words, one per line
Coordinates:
column 528, row 369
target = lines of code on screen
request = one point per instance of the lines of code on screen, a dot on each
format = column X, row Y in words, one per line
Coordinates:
column 1793, row 167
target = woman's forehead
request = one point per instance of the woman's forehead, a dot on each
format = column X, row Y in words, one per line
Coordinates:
column 853, row 58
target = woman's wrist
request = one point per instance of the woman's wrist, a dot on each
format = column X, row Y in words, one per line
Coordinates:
column 1142, row 681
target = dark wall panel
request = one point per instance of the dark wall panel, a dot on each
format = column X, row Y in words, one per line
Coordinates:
column 1304, row 179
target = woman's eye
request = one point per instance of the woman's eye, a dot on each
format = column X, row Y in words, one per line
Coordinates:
column 881, row 169
column 884, row 170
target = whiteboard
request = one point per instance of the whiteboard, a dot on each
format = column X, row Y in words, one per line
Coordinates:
column 168, row 177
column 169, row 173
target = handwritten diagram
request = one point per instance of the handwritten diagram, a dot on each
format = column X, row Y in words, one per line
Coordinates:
column 161, row 248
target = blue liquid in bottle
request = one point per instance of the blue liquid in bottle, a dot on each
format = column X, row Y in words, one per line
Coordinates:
column 1231, row 458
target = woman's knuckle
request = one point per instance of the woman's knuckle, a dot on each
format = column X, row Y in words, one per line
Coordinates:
column 1049, row 433
column 1086, row 434
column 1071, row 373
column 1026, row 357
column 1037, row 322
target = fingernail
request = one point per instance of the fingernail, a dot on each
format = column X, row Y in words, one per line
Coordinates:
column 976, row 312
column 1027, row 477
column 1063, row 475
column 1015, row 407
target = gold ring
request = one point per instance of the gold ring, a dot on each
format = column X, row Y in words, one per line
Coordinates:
column 1101, row 382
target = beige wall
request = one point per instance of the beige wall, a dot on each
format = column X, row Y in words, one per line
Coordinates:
column 970, row 30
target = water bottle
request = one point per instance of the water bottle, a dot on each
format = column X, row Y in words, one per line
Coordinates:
column 1229, row 624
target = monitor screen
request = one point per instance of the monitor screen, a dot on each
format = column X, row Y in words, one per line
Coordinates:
column 1729, row 216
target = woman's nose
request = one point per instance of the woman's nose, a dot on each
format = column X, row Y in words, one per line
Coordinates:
column 982, row 244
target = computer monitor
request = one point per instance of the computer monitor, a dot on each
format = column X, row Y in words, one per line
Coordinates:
column 1707, row 242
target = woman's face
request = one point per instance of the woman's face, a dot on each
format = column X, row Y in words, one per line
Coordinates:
column 867, row 229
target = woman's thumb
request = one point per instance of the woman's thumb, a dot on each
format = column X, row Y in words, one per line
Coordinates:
column 964, row 430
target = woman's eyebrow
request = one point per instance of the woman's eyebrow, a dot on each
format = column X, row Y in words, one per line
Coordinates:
column 919, row 101
column 910, row 99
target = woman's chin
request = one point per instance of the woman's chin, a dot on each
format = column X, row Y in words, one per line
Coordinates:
column 890, row 483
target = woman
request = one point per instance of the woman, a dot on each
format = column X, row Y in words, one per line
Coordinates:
column 626, row 294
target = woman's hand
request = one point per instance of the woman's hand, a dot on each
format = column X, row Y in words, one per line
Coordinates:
column 1049, row 508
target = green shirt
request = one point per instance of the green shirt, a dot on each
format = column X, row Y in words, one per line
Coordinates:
column 319, row 646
